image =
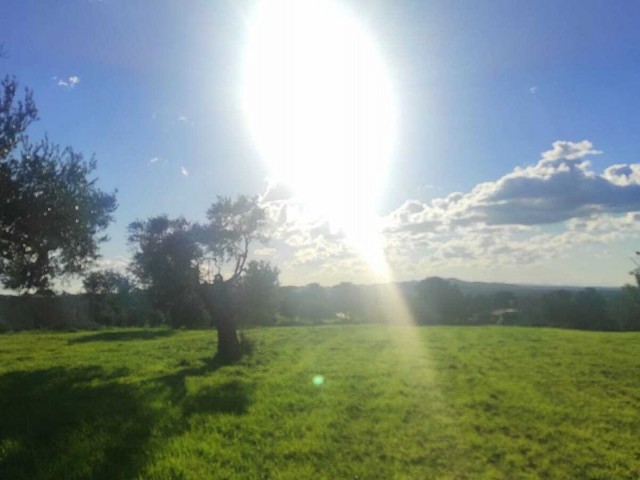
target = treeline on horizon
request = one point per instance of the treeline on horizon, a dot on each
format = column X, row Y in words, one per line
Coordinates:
column 260, row 301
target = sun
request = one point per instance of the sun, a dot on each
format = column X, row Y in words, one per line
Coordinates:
column 320, row 106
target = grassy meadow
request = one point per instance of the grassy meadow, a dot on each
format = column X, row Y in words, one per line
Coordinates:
column 386, row 403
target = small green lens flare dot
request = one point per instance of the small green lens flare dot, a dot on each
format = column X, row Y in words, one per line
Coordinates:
column 318, row 380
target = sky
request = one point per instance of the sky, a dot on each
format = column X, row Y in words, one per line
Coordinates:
column 515, row 156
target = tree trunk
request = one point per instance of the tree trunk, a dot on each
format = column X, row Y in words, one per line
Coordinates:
column 218, row 300
column 228, row 343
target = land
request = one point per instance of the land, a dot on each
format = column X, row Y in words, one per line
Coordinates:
column 387, row 402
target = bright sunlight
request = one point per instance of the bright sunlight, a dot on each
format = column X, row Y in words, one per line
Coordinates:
column 321, row 108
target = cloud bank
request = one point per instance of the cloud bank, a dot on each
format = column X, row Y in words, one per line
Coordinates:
column 562, row 185
column 529, row 216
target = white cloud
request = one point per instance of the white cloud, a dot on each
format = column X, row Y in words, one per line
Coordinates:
column 184, row 171
column 182, row 118
column 306, row 238
column 276, row 192
column 623, row 175
column 265, row 252
column 68, row 83
column 560, row 186
column 157, row 160
column 532, row 216
column 118, row 264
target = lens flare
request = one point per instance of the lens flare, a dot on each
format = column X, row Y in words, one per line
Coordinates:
column 320, row 105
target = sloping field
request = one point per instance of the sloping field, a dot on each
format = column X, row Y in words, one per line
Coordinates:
column 345, row 402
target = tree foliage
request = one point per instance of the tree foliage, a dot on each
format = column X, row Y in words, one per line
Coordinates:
column 167, row 260
column 440, row 302
column 171, row 255
column 232, row 226
column 166, row 256
column 258, row 293
column 107, row 282
column 109, row 296
column 625, row 311
column 53, row 213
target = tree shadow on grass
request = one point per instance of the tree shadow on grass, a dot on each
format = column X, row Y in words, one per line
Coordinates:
column 123, row 336
column 72, row 423
column 233, row 396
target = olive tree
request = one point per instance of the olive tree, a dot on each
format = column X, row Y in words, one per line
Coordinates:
column 232, row 227
column 52, row 214
column 200, row 266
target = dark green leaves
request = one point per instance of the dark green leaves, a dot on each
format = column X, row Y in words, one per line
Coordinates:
column 52, row 213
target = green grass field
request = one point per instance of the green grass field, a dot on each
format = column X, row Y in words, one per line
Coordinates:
column 437, row 402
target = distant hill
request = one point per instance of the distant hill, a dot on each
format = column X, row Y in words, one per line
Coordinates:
column 488, row 288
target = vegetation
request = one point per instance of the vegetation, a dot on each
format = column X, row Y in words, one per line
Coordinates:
column 52, row 212
column 166, row 262
column 256, row 299
column 258, row 293
column 392, row 402
column 435, row 301
column 107, row 282
column 171, row 259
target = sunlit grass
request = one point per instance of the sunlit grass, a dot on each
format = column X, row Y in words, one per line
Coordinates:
column 469, row 403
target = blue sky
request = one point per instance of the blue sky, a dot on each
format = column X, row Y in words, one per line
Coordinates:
column 153, row 89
